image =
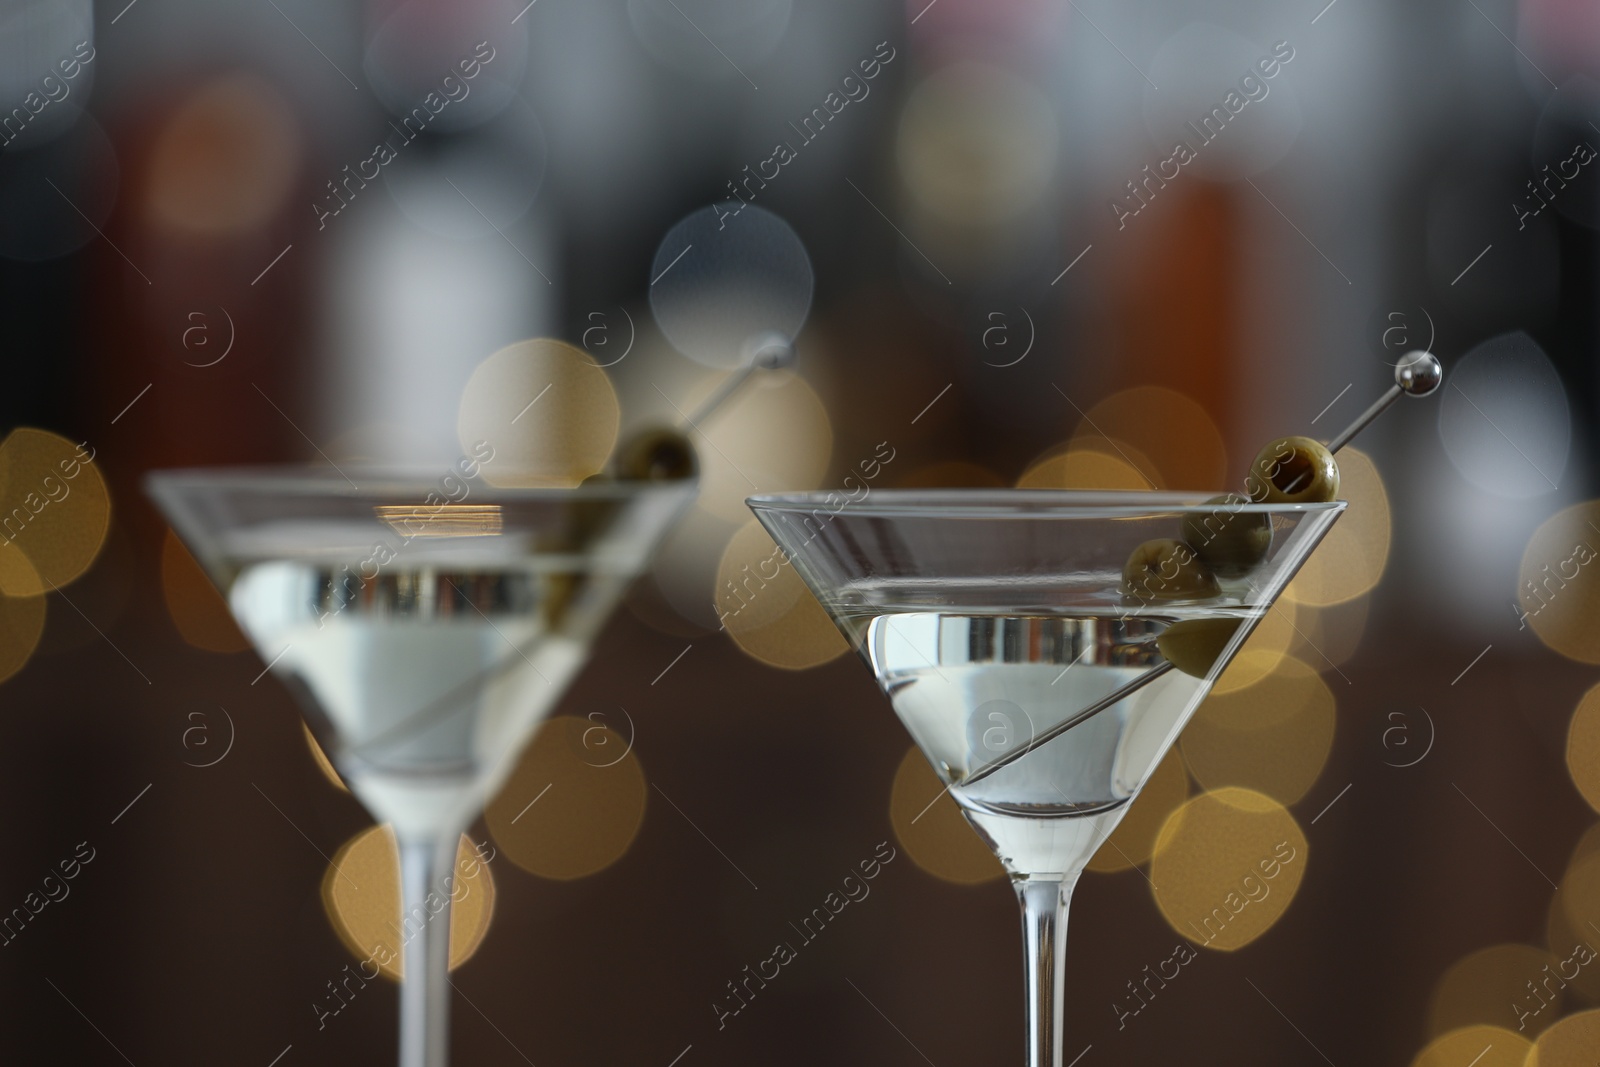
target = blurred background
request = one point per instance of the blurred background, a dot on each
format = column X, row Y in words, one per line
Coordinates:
column 1070, row 243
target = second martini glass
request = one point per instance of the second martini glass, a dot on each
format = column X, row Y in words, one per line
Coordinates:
column 425, row 638
column 1002, row 629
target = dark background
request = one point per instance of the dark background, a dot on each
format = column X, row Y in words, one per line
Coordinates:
column 198, row 933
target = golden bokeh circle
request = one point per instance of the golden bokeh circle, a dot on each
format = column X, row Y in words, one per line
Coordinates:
column 1483, row 987
column 546, row 409
column 1583, row 747
column 952, row 474
column 21, row 625
column 1327, row 636
column 1263, row 650
column 193, row 603
column 1564, row 944
column 1084, row 468
column 777, row 437
column 1479, row 1046
column 976, row 145
column 361, row 895
column 1274, row 736
column 1227, row 865
column 932, row 831
column 225, row 159
column 1558, row 585
column 1171, row 430
column 571, row 807
column 54, row 509
column 1350, row 560
column 1580, row 892
column 767, row 610
column 1134, row 840
column 1572, row 1042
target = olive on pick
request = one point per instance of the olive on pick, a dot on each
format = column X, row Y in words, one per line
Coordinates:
column 1293, row 470
column 1167, row 569
column 658, row 454
column 1194, row 645
column 1226, row 539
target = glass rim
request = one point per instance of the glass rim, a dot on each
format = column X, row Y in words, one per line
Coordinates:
column 356, row 481
column 1025, row 503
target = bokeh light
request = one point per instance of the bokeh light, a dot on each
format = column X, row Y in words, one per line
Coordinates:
column 776, row 438
column 1134, row 840
column 1559, row 583
column 571, row 807
column 1261, row 652
column 1351, row 558
column 21, row 624
column 1330, row 636
column 929, row 826
column 1580, row 894
column 1100, row 464
column 1227, row 865
column 1485, row 987
column 767, row 610
column 1480, row 1046
column 952, row 474
column 193, row 603
column 1173, row 432
column 545, row 408
column 361, row 895
column 976, row 145
column 1583, row 747
column 1572, row 1042
column 1504, row 419
column 225, row 159
column 54, row 509
column 1273, row 736
column 724, row 276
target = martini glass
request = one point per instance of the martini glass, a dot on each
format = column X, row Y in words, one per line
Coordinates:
column 425, row 638
column 999, row 626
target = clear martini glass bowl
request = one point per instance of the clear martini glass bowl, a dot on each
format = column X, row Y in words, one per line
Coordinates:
column 427, row 626
column 1039, row 685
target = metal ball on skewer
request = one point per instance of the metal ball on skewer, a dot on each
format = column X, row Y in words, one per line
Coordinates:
column 1417, row 374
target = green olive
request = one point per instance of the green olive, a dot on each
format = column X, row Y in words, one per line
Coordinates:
column 1227, row 540
column 1166, row 569
column 657, row 454
column 1293, row 470
column 1194, row 645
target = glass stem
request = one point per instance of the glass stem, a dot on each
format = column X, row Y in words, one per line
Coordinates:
column 1044, row 934
column 425, row 952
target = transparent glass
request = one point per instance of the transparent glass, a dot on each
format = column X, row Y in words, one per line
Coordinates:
column 427, row 621
column 1041, row 684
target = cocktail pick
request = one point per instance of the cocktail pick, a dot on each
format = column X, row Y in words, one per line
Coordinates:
column 765, row 351
column 1417, row 374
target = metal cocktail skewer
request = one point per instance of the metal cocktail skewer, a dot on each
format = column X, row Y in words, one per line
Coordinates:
column 1417, row 374
column 766, row 351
